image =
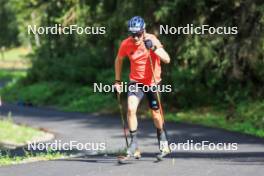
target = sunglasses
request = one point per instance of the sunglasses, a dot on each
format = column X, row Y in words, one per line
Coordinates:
column 139, row 34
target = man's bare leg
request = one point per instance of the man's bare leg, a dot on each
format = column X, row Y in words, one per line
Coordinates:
column 133, row 102
column 158, row 121
column 161, row 134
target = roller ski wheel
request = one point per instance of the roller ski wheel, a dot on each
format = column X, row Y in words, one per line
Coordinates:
column 160, row 156
column 127, row 158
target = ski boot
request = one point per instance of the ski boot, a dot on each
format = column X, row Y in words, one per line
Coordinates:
column 131, row 153
column 164, row 150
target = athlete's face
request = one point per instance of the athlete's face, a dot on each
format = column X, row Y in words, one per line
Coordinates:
column 138, row 37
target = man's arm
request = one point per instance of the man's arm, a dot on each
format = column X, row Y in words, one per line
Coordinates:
column 164, row 56
column 118, row 68
column 156, row 46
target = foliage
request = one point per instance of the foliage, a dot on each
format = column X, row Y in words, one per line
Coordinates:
column 8, row 27
column 219, row 64
column 217, row 70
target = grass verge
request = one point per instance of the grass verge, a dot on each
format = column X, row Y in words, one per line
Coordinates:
column 17, row 134
column 15, row 58
column 13, row 63
column 9, row 160
column 248, row 118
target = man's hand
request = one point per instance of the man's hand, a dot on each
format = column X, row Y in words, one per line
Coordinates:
column 118, row 87
column 148, row 44
column 159, row 51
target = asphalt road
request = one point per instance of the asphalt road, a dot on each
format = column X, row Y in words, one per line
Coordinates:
column 247, row 160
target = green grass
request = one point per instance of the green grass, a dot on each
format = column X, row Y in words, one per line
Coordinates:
column 9, row 160
column 11, row 133
column 16, row 134
column 248, row 118
column 12, row 74
column 15, row 54
column 14, row 64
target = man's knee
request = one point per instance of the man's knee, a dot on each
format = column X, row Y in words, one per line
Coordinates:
column 131, row 112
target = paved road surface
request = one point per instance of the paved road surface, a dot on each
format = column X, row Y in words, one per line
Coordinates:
column 247, row 160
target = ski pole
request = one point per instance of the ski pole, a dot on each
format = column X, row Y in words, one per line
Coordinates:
column 122, row 116
column 157, row 92
column 155, row 82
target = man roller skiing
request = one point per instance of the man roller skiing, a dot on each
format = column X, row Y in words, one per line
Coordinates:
column 145, row 52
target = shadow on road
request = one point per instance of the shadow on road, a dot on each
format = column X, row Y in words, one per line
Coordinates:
column 248, row 158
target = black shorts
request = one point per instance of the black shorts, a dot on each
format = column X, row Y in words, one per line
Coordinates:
column 139, row 90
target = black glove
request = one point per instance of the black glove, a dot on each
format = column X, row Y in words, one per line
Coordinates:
column 148, row 44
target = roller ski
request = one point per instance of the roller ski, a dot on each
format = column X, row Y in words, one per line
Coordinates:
column 127, row 158
column 163, row 144
column 164, row 150
column 131, row 154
